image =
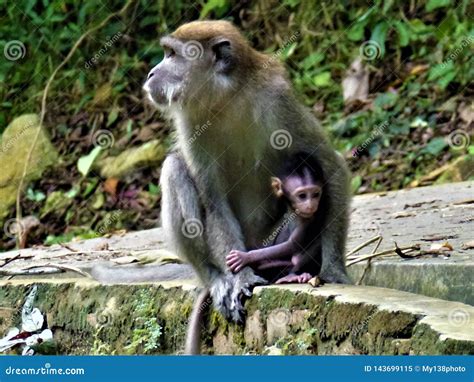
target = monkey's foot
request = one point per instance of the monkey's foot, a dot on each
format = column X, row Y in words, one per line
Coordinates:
column 228, row 292
column 292, row 278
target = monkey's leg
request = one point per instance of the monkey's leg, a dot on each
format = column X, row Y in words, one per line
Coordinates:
column 204, row 241
column 334, row 233
column 181, row 217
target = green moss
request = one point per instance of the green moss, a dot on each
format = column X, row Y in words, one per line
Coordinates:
column 149, row 319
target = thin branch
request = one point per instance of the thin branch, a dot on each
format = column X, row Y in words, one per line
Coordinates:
column 365, row 244
column 10, row 260
column 45, row 95
column 386, row 252
column 60, row 267
column 369, row 262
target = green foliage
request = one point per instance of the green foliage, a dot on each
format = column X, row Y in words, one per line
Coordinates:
column 85, row 162
column 421, row 75
column 147, row 331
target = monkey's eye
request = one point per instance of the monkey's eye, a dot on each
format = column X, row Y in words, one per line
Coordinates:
column 169, row 52
column 316, row 195
column 301, row 196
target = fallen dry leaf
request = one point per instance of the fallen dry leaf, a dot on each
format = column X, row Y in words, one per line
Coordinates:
column 403, row 214
column 315, row 282
column 125, row 260
column 110, row 186
column 468, row 245
column 441, row 247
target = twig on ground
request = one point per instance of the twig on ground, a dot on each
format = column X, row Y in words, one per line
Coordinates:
column 369, row 262
column 39, row 269
column 10, row 260
column 408, row 248
column 64, row 245
column 359, row 247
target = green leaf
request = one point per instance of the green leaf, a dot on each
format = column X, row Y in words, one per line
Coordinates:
column 35, row 196
column 112, row 117
column 312, row 60
column 288, row 51
column 85, row 163
column 154, row 189
column 403, row 33
column 213, row 6
column 379, row 35
column 356, row 182
column 386, row 100
column 356, row 32
column 419, row 122
column 440, row 70
column 434, row 4
column 446, row 79
column 417, row 26
column 435, row 146
column 72, row 192
column 322, row 79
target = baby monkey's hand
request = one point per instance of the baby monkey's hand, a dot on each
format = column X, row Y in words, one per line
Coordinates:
column 236, row 260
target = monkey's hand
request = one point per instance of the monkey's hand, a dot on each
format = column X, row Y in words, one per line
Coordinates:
column 228, row 292
column 236, row 260
column 295, row 279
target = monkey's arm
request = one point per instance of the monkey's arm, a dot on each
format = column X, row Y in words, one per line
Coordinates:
column 236, row 259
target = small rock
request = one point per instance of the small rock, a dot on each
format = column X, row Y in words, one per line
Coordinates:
column 149, row 154
column 14, row 148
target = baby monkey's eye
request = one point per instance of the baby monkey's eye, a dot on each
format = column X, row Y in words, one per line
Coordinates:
column 316, row 195
column 301, row 196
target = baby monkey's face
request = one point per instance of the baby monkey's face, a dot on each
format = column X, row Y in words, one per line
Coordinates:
column 305, row 199
column 302, row 192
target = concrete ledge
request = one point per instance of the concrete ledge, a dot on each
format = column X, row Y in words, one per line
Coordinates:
column 447, row 280
column 150, row 318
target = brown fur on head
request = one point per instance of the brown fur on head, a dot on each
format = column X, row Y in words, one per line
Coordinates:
column 207, row 31
column 224, row 64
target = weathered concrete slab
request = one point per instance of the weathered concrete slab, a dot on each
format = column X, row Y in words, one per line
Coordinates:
column 87, row 317
column 427, row 216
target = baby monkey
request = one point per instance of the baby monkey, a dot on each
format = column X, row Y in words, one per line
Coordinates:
column 300, row 185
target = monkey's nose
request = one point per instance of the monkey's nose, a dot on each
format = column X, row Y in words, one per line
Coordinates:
column 151, row 74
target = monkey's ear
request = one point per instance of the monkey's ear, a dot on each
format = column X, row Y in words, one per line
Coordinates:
column 277, row 187
column 224, row 58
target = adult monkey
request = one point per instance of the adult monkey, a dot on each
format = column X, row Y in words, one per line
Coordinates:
column 215, row 191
